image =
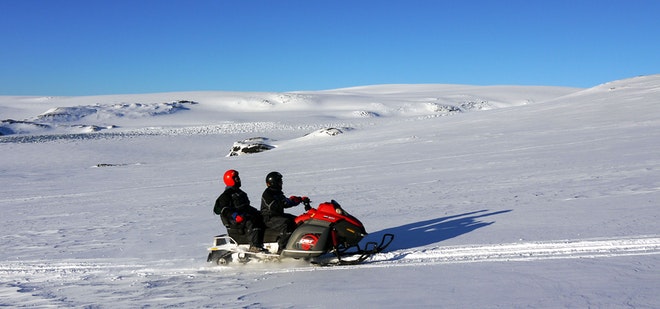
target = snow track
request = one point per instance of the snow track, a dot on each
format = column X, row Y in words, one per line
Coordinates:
column 566, row 249
column 512, row 252
column 530, row 251
column 127, row 281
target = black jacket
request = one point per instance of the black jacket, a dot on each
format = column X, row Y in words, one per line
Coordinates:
column 273, row 203
column 230, row 201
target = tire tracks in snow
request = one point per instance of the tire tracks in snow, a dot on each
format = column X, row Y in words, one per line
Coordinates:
column 528, row 251
column 510, row 252
column 125, row 282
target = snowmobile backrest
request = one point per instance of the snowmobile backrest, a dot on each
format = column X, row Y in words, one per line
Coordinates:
column 225, row 216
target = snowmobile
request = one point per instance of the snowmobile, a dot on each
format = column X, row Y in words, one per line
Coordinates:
column 326, row 235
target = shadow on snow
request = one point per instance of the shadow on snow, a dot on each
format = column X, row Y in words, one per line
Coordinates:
column 427, row 232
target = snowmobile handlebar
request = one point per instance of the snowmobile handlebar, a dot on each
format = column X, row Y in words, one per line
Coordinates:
column 307, row 202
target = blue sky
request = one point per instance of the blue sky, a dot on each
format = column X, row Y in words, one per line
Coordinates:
column 89, row 47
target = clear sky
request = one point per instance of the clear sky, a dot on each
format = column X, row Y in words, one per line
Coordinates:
column 88, row 47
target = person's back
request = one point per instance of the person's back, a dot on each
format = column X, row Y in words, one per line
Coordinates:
column 233, row 206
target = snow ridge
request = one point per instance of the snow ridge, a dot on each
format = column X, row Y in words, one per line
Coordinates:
column 564, row 249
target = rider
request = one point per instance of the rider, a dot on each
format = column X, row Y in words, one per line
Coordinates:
column 273, row 203
column 234, row 207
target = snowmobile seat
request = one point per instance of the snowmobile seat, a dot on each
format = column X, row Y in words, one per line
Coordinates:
column 240, row 235
column 238, row 231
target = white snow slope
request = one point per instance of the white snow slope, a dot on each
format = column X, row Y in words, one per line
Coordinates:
column 499, row 197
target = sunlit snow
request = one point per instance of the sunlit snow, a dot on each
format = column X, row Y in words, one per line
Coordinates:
column 498, row 196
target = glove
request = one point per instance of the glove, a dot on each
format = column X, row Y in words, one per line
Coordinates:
column 238, row 218
column 306, row 200
column 296, row 199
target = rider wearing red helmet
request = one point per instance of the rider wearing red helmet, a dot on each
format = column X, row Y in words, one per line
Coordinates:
column 234, row 206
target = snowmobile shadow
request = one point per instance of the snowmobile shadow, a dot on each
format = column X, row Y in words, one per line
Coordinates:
column 435, row 230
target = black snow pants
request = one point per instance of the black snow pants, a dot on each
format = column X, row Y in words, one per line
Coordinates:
column 284, row 225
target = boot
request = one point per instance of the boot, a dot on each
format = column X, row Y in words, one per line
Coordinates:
column 255, row 249
column 282, row 241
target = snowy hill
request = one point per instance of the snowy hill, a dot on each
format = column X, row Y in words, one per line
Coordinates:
column 499, row 196
column 53, row 115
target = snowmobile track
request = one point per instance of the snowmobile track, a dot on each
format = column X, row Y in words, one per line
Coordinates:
column 513, row 252
column 530, row 251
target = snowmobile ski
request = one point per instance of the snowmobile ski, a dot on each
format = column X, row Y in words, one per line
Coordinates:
column 356, row 257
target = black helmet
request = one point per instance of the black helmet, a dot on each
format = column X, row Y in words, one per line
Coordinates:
column 274, row 179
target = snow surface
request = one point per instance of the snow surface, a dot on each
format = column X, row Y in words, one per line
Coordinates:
column 499, row 196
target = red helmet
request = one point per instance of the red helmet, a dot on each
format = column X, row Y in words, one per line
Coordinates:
column 231, row 178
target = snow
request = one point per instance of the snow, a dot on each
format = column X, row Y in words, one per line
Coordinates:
column 499, row 196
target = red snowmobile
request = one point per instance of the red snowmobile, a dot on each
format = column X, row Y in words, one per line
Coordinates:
column 327, row 235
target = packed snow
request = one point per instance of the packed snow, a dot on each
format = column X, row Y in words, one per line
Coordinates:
column 498, row 196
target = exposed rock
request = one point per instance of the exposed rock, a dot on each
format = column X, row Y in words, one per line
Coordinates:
column 250, row 145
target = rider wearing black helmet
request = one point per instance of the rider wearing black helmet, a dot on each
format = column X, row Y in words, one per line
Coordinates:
column 273, row 203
